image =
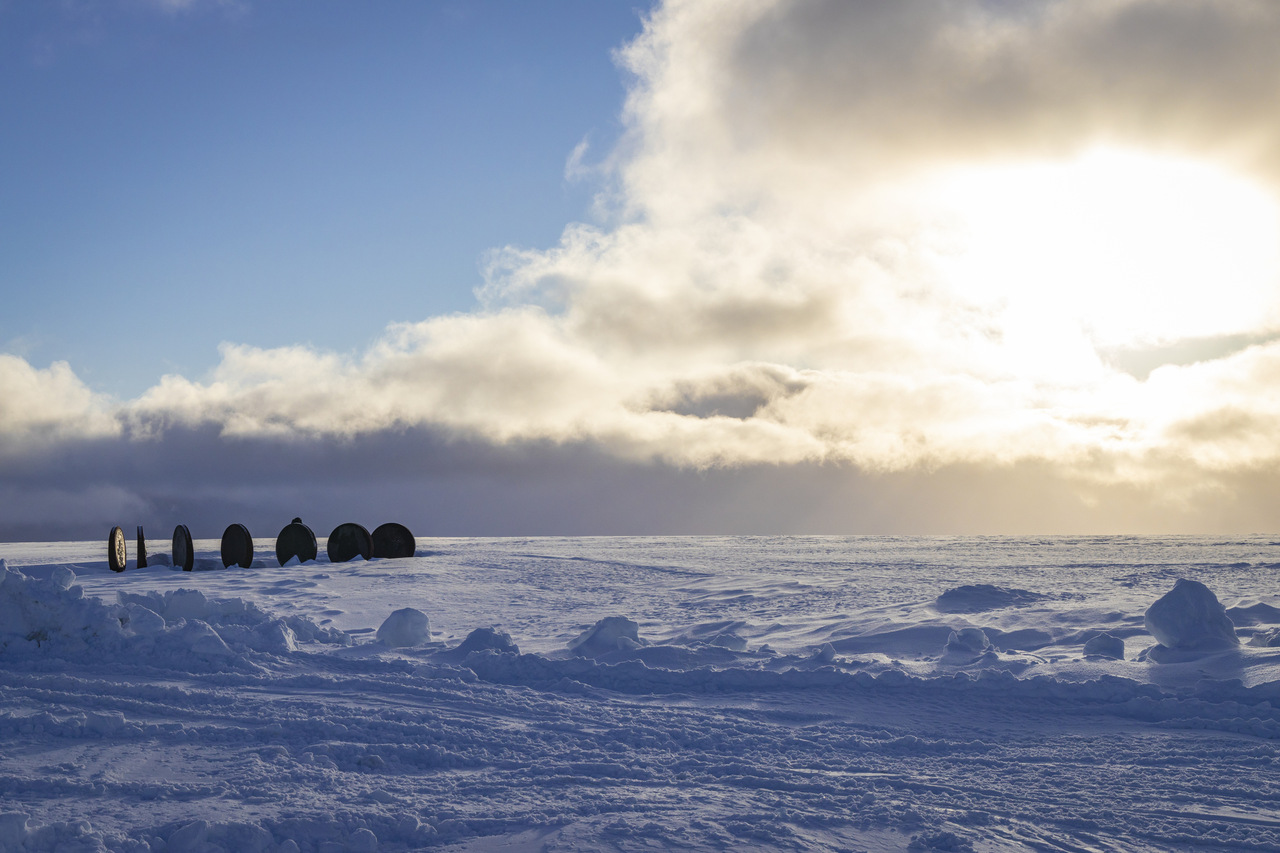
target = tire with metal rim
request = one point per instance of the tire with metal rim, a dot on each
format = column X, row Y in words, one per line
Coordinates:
column 117, row 557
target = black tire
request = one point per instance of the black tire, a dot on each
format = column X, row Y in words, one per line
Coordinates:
column 393, row 540
column 237, row 547
column 296, row 540
column 347, row 541
column 142, row 549
column 117, row 556
column 184, row 554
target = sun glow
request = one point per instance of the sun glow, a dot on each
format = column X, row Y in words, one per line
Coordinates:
column 1138, row 249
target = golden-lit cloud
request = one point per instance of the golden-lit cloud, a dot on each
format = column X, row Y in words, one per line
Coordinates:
column 893, row 235
column 39, row 407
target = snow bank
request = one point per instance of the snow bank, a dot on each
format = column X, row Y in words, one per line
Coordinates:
column 180, row 629
column 48, row 612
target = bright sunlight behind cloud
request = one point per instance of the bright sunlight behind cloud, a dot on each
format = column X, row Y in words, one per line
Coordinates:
column 899, row 235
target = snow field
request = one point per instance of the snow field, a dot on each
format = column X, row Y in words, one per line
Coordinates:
column 705, row 694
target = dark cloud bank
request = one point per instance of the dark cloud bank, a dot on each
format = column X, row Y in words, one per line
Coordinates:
column 448, row 487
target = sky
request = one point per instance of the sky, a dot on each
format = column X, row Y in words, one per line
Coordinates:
column 760, row 266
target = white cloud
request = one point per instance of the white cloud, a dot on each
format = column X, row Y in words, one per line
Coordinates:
column 40, row 407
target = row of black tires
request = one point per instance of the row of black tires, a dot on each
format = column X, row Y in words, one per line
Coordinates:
column 296, row 540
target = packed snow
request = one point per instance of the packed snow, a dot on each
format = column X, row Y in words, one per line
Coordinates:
column 696, row 693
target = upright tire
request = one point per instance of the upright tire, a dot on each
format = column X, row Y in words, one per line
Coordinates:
column 296, row 540
column 347, row 541
column 117, row 557
column 184, row 554
column 237, row 547
column 393, row 540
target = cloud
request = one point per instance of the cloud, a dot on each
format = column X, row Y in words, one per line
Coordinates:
column 747, row 98
column 767, row 289
column 175, row 7
column 39, row 407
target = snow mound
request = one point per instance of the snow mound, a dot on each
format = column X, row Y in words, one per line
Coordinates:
column 968, row 641
column 611, row 634
column 488, row 639
column 405, row 627
column 1189, row 617
column 1254, row 614
column 1105, row 645
column 975, row 598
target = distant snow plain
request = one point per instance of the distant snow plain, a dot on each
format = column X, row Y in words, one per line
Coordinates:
column 691, row 693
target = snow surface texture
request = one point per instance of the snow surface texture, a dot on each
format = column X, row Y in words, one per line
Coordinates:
column 685, row 693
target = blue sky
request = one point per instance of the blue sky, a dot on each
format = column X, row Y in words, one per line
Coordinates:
column 285, row 172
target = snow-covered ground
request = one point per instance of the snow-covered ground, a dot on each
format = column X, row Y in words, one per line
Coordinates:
column 705, row 693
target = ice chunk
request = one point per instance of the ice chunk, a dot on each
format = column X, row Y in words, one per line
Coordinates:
column 825, row 654
column 1266, row 639
column 611, row 634
column 405, row 627
column 1190, row 617
column 1105, row 645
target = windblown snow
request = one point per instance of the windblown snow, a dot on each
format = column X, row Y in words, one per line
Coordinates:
column 698, row 693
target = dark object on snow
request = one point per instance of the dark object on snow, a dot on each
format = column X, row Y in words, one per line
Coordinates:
column 237, row 547
column 296, row 540
column 347, row 541
column 116, row 555
column 393, row 540
column 184, row 555
column 142, row 549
